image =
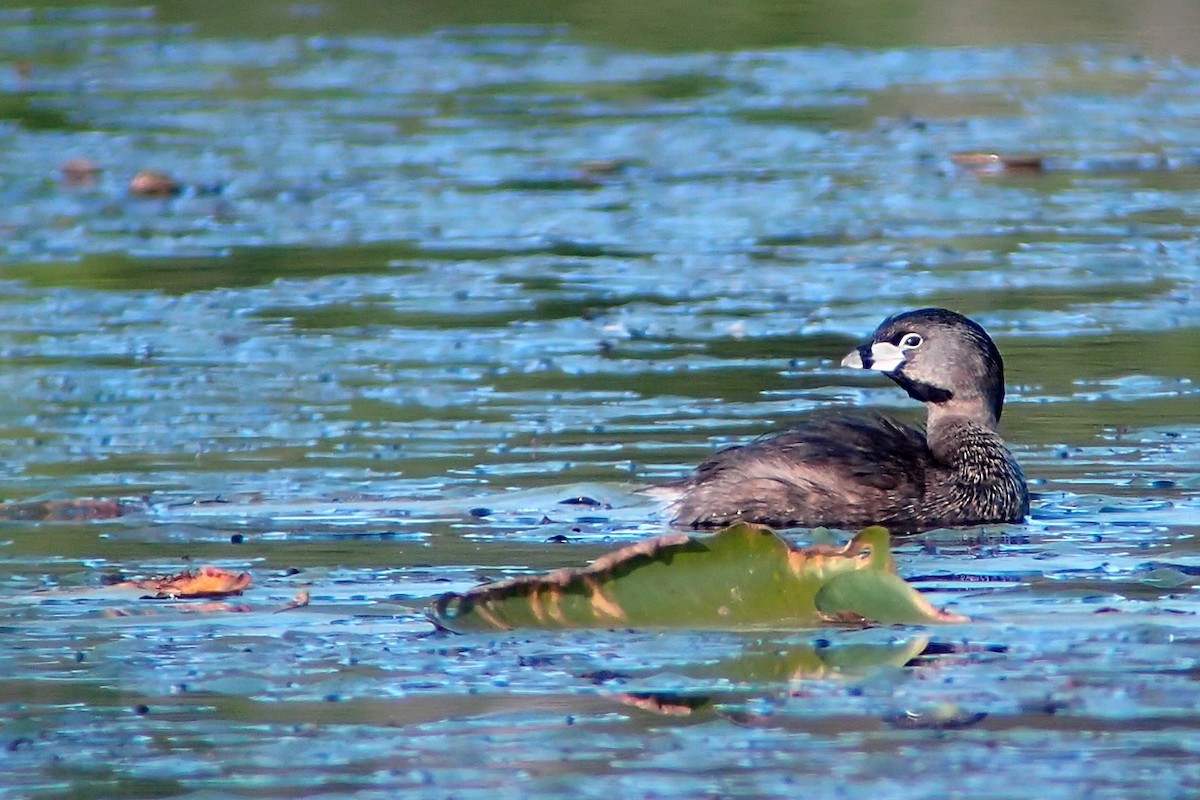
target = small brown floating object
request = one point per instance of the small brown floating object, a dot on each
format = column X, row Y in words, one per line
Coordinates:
column 80, row 172
column 599, row 167
column 994, row 163
column 149, row 183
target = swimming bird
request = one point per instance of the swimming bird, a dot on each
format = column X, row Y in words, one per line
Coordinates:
column 848, row 470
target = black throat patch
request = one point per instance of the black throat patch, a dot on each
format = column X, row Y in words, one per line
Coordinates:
column 925, row 392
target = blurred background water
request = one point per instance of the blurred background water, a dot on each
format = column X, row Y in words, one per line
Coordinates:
column 418, row 273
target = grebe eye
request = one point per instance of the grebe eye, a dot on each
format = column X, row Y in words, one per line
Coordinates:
column 911, row 340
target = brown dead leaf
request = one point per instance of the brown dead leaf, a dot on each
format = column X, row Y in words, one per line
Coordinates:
column 661, row 703
column 202, row 582
column 601, row 167
column 70, row 509
column 985, row 163
column 80, row 172
column 149, row 183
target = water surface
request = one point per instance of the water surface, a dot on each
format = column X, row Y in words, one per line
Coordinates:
column 426, row 280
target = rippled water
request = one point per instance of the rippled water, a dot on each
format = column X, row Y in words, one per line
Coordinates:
column 419, row 290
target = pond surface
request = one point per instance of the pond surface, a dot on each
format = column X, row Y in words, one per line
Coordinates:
column 425, row 281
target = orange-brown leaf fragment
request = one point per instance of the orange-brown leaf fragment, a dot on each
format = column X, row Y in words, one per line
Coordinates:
column 985, row 163
column 203, row 582
column 661, row 704
column 149, row 183
column 80, row 172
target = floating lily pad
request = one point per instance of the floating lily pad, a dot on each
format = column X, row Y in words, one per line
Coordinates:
column 743, row 576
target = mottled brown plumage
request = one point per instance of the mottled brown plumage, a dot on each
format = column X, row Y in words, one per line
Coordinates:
column 849, row 471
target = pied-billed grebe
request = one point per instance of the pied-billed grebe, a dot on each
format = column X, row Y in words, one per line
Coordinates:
column 848, row 471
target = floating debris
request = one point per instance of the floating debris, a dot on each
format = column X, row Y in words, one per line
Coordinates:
column 148, row 183
column 984, row 163
column 80, row 172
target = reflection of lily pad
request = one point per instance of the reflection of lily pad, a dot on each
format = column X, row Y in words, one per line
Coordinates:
column 768, row 666
column 743, row 576
column 772, row 662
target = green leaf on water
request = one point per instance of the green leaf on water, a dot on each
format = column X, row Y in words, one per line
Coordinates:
column 744, row 576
